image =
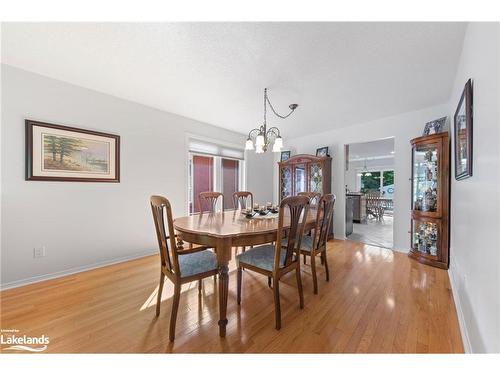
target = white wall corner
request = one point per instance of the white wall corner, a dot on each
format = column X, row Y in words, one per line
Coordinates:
column 453, row 276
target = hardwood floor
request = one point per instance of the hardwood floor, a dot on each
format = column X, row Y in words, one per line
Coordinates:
column 376, row 301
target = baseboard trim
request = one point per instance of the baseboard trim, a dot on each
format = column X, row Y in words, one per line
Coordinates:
column 71, row 271
column 461, row 320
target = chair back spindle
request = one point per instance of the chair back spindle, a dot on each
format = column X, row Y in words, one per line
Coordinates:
column 241, row 198
column 208, row 199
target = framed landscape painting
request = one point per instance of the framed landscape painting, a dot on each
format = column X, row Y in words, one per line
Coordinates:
column 62, row 153
column 463, row 134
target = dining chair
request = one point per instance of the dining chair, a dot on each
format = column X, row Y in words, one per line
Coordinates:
column 313, row 200
column 313, row 197
column 316, row 243
column 374, row 204
column 241, row 198
column 275, row 261
column 179, row 265
column 210, row 199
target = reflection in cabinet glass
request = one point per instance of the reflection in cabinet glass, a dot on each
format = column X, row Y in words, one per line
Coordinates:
column 286, row 182
column 425, row 181
column 316, row 182
column 300, row 178
column 430, row 199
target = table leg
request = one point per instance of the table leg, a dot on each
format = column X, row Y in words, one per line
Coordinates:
column 223, row 257
column 223, row 291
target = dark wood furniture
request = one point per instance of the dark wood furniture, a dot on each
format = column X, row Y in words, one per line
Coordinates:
column 316, row 243
column 275, row 261
column 305, row 173
column 209, row 200
column 179, row 265
column 241, row 198
column 227, row 229
column 430, row 200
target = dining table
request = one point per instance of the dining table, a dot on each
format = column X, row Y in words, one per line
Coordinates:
column 227, row 229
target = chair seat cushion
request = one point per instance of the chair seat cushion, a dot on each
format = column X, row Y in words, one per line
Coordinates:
column 261, row 257
column 306, row 243
column 195, row 263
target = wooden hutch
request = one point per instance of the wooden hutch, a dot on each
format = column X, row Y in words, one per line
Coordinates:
column 430, row 199
column 305, row 173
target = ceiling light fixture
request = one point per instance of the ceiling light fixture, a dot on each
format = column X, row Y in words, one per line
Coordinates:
column 366, row 172
column 261, row 137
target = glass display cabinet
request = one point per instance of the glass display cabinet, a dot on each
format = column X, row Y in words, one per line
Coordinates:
column 430, row 181
column 305, row 173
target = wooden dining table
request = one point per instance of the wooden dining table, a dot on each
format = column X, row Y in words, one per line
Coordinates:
column 225, row 230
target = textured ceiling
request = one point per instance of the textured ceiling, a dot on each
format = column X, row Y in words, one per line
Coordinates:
column 339, row 73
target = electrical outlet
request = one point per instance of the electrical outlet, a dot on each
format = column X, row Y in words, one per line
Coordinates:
column 39, row 252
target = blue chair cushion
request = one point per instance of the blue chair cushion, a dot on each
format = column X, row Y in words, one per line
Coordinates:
column 261, row 257
column 306, row 243
column 195, row 263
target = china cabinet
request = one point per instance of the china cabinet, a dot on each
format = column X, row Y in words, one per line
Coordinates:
column 305, row 173
column 430, row 181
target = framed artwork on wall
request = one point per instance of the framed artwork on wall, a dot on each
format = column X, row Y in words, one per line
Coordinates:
column 322, row 151
column 63, row 153
column 436, row 126
column 285, row 155
column 463, row 134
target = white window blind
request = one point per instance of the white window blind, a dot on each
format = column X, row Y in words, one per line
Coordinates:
column 204, row 147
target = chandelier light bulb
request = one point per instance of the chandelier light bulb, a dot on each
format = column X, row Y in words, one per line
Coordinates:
column 259, row 149
column 278, row 143
column 259, row 141
column 249, row 144
column 276, row 147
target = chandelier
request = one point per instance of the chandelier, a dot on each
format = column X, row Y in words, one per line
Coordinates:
column 263, row 137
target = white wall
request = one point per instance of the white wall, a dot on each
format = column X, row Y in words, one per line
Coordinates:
column 260, row 176
column 87, row 223
column 475, row 203
column 402, row 127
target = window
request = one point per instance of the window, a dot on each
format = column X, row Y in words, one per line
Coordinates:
column 201, row 178
column 230, row 180
column 370, row 182
column 382, row 180
column 388, row 184
column 213, row 167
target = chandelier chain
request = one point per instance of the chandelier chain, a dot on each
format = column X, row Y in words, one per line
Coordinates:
column 266, row 98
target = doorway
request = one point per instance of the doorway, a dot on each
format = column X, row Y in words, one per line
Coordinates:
column 369, row 189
